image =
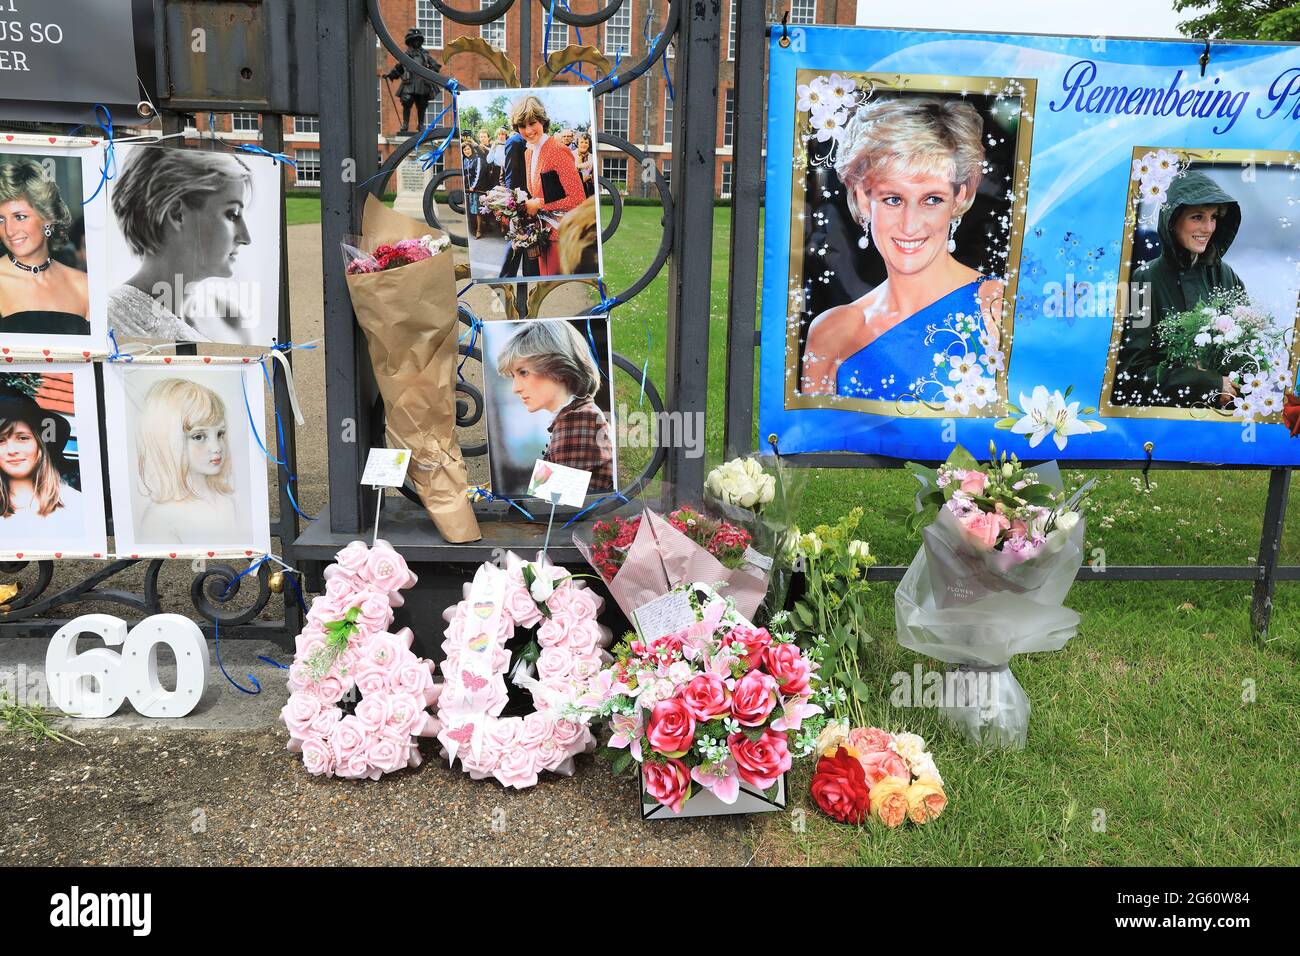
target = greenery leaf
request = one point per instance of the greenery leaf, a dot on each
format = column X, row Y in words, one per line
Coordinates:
column 1006, row 424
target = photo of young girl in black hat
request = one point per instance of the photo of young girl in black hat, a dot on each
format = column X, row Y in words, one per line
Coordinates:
column 48, row 502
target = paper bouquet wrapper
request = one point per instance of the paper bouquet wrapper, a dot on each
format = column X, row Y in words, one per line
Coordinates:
column 978, row 614
column 660, row 558
column 409, row 317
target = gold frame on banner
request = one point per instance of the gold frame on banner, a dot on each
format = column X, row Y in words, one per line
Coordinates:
column 1199, row 413
column 1027, row 91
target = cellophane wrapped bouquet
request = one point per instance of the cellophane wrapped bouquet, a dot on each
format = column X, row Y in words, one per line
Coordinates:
column 720, row 705
column 643, row 556
column 1001, row 544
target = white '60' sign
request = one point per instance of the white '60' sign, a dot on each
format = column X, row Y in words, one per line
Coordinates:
column 95, row 682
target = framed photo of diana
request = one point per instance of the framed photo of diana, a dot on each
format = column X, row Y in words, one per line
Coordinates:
column 906, row 214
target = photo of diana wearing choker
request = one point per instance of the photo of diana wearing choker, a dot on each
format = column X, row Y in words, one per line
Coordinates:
column 42, row 292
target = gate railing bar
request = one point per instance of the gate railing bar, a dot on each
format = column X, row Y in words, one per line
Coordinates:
column 686, row 368
column 348, row 144
column 746, row 199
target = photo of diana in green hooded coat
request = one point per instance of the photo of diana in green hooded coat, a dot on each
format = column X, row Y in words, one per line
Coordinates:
column 1197, row 225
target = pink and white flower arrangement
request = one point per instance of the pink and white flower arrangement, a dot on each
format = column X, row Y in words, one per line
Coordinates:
column 711, row 706
column 998, row 507
column 345, row 649
column 568, row 652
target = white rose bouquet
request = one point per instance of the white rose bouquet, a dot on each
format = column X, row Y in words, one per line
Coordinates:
column 760, row 495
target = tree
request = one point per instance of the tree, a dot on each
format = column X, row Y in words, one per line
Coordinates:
column 1241, row 19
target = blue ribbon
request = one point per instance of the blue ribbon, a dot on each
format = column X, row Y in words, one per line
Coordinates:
column 243, row 385
column 216, row 633
column 474, row 326
column 546, row 39
column 469, row 285
column 613, row 76
column 291, row 479
column 596, row 504
column 278, row 157
column 491, row 496
column 117, row 354
column 663, row 59
column 591, row 343
column 431, row 157
column 109, row 169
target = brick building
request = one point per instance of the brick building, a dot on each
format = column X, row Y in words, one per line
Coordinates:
column 641, row 112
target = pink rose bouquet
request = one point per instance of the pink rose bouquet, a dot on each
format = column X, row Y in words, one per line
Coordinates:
column 345, row 648
column 717, row 705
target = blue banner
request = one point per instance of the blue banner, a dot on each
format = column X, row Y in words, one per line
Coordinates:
column 1081, row 248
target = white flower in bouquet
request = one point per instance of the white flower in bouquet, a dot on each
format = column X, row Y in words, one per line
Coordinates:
column 741, row 482
column 859, row 550
column 1067, row 521
column 542, row 588
column 810, row 545
column 833, row 734
column 911, row 747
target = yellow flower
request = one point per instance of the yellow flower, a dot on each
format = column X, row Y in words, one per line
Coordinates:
column 925, row 800
column 889, row 801
column 834, row 734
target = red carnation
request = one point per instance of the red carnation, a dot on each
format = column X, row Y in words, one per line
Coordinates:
column 840, row 789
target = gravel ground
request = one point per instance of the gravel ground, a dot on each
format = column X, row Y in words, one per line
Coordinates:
column 201, row 797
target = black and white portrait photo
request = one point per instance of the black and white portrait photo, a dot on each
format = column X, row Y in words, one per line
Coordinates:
column 52, row 279
column 187, row 474
column 194, row 246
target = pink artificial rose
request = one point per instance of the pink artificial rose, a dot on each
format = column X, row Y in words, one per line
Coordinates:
column 371, row 679
column 412, row 677
column 974, row 483
column 706, row 697
column 555, row 662
column 668, row 782
column 760, row 762
column 578, row 603
column 585, row 668
column 547, row 756
column 348, row 737
column 406, row 715
column 584, row 637
column 387, row 753
column 791, row 669
column 386, row 571
column 868, row 740
column 982, row 528
column 317, row 756
column 570, row 737
column 374, row 613
column 373, row 712
column 325, row 722
column 504, row 734
column 384, row 651
column 348, row 563
column 554, row 632
column 753, row 698
column 538, row 726
column 299, row 712
column 340, row 588
column 522, row 608
column 756, row 642
column 325, row 609
column 671, row 729
column 330, row 690
column 880, row 764
column 516, row 768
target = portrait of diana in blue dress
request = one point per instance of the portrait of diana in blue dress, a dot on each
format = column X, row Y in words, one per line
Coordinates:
column 910, row 167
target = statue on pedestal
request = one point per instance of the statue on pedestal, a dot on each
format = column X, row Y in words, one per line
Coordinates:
column 414, row 90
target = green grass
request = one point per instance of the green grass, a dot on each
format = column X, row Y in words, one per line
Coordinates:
column 1141, row 718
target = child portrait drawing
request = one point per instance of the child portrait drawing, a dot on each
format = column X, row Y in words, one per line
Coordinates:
column 184, row 468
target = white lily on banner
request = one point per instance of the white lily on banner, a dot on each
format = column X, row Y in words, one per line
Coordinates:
column 1047, row 414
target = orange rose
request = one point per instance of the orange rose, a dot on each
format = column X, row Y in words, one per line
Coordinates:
column 889, row 801
column 925, row 800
